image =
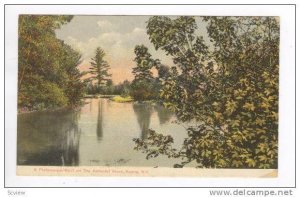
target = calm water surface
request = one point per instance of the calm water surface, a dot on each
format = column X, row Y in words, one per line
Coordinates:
column 99, row 134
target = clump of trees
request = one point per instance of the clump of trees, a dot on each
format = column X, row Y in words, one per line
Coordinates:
column 230, row 87
column 145, row 86
column 123, row 88
column 48, row 76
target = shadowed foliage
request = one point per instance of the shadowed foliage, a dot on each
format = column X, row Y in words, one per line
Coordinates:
column 230, row 87
column 48, row 75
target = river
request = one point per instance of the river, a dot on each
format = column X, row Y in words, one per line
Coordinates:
column 99, row 134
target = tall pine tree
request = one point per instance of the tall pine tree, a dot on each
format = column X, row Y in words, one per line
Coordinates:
column 99, row 68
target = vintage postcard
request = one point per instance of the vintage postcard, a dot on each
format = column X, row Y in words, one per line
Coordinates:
column 153, row 95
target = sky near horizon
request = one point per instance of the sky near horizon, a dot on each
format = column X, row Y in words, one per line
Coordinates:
column 117, row 36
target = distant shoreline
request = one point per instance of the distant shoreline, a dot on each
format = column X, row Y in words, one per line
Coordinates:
column 65, row 108
column 114, row 98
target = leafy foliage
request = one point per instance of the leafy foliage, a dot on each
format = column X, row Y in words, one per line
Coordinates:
column 144, row 86
column 229, row 87
column 48, row 75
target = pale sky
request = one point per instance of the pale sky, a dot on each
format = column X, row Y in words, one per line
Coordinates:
column 117, row 36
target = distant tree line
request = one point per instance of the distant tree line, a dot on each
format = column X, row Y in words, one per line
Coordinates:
column 110, row 88
column 144, row 86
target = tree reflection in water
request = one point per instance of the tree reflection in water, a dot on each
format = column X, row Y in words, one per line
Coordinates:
column 48, row 138
column 143, row 113
column 100, row 120
column 164, row 115
column 70, row 143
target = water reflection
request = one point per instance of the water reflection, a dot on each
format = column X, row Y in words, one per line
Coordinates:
column 100, row 120
column 48, row 138
column 143, row 114
column 164, row 115
column 100, row 134
column 70, row 143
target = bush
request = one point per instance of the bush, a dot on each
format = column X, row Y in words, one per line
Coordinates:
column 40, row 94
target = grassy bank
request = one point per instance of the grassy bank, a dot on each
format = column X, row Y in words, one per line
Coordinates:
column 99, row 96
column 121, row 99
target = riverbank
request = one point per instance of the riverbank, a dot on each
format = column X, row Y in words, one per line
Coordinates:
column 26, row 110
column 58, row 109
column 120, row 99
column 114, row 98
column 100, row 96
